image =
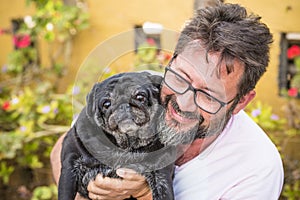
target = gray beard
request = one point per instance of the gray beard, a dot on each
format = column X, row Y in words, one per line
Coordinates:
column 174, row 136
column 171, row 136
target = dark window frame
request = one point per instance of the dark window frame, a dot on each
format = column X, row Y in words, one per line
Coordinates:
column 286, row 68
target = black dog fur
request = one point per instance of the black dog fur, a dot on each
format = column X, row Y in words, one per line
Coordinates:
column 118, row 128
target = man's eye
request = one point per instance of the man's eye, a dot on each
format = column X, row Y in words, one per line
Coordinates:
column 106, row 104
column 209, row 98
column 178, row 80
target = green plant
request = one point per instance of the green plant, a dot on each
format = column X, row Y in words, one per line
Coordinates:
column 292, row 191
column 53, row 21
column 5, row 172
column 45, row 193
column 32, row 112
column 149, row 57
column 263, row 115
column 281, row 133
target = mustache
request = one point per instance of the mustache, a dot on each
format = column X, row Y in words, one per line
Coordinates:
column 189, row 115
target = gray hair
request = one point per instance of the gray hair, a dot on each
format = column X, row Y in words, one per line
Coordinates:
column 228, row 29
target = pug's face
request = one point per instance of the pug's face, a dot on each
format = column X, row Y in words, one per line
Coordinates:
column 127, row 107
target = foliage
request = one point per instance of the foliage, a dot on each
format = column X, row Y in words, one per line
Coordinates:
column 52, row 21
column 292, row 110
column 45, row 193
column 281, row 132
column 150, row 57
column 32, row 112
column 5, row 172
column 292, row 191
column 263, row 115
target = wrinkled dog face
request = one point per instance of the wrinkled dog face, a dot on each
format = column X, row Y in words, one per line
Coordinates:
column 127, row 107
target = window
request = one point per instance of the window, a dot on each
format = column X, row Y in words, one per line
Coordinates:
column 289, row 69
column 147, row 32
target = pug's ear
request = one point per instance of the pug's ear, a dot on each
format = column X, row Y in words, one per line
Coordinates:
column 156, row 85
column 91, row 103
column 156, row 80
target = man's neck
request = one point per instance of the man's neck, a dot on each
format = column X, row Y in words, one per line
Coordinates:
column 194, row 149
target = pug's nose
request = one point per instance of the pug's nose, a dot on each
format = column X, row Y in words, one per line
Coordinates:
column 124, row 107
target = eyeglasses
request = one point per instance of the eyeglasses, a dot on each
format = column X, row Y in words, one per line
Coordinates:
column 202, row 99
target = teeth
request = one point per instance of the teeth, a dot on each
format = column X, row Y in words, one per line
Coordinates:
column 182, row 114
column 175, row 107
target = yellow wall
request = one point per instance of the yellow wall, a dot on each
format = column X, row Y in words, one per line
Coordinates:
column 110, row 18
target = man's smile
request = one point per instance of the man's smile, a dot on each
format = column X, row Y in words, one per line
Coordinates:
column 173, row 113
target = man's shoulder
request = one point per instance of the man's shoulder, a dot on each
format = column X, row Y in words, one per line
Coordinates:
column 252, row 137
column 242, row 121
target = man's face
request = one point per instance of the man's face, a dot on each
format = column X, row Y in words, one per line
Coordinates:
column 182, row 114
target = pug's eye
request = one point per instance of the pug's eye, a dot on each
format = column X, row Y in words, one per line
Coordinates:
column 106, row 104
column 141, row 97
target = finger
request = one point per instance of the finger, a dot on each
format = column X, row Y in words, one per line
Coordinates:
column 94, row 189
column 79, row 197
column 106, row 186
column 129, row 174
column 113, row 188
column 99, row 197
column 107, row 195
column 107, row 183
column 132, row 180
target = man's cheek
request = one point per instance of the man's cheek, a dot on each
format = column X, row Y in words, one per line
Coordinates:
column 165, row 91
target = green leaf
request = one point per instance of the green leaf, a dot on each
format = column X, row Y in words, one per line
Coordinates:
column 5, row 172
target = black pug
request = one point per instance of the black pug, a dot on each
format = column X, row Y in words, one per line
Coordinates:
column 118, row 128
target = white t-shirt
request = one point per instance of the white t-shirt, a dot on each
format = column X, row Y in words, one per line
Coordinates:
column 242, row 163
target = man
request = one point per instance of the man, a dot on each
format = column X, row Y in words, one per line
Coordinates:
column 221, row 54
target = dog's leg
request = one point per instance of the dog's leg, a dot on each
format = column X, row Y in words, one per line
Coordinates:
column 161, row 183
column 67, row 185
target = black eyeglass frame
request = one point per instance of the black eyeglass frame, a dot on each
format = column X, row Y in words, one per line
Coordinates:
column 194, row 90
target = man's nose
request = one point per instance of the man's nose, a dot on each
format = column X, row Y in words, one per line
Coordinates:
column 186, row 101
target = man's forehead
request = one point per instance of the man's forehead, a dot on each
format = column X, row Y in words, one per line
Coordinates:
column 196, row 56
column 205, row 69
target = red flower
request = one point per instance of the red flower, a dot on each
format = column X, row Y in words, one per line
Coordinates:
column 21, row 41
column 151, row 41
column 6, row 105
column 293, row 92
column 293, row 51
column 168, row 56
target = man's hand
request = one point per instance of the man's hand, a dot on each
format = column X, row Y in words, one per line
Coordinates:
column 132, row 184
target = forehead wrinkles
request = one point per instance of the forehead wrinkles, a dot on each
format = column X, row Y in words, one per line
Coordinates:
column 218, row 63
column 196, row 57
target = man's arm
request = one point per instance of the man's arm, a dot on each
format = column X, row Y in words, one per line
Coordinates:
column 106, row 188
column 55, row 158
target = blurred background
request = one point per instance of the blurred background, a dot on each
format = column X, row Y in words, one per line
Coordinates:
column 51, row 51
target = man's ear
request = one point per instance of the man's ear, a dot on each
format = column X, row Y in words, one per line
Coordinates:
column 244, row 101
